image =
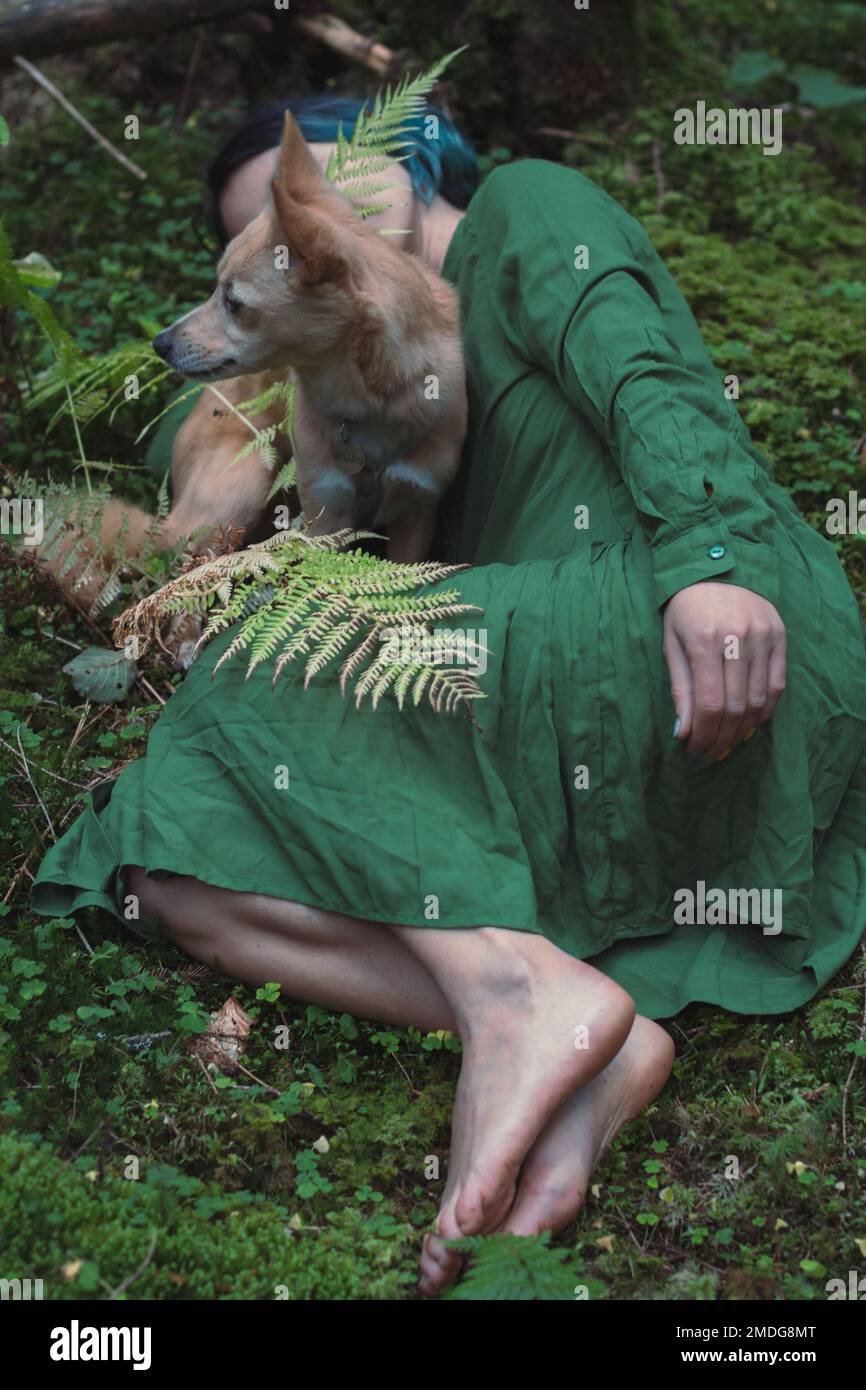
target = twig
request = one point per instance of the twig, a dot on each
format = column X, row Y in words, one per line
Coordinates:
column 48, row 773
column 76, row 115
column 246, row 1071
column 19, row 873
column 207, row 1074
column 192, row 68
column 556, row 133
column 131, row 1278
column 87, row 944
column 659, row 175
column 637, row 1243
column 82, row 1147
column 413, row 1089
column 32, row 783
column 846, row 1091
column 150, row 690
column 233, row 408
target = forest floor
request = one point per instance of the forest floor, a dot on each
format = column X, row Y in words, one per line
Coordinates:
column 315, row 1171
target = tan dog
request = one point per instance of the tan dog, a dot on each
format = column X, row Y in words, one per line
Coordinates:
column 372, row 336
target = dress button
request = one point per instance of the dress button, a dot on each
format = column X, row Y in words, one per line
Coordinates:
column 716, row 552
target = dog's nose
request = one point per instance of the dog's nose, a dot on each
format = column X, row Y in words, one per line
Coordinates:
column 162, row 343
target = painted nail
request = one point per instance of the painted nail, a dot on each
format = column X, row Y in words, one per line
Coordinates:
column 722, row 756
column 676, row 728
column 749, row 735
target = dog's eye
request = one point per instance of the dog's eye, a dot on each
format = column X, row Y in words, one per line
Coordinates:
column 233, row 306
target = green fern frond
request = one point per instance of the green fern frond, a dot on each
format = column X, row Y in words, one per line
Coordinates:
column 297, row 597
column 286, row 477
column 379, row 135
column 509, row 1268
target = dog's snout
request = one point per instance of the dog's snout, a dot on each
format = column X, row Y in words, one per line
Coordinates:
column 162, row 343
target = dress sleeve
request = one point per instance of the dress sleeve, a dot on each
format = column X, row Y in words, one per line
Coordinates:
column 623, row 346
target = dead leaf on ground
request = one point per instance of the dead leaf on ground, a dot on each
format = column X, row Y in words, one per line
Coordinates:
column 223, row 1043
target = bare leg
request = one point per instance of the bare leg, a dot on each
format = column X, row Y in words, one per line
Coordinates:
column 319, row 957
column 526, row 990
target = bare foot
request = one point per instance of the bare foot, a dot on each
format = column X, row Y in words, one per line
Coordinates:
column 556, row 1174
column 543, row 1026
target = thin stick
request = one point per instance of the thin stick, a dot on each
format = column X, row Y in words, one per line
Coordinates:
column 82, row 1147
column 658, row 172
column 87, row 945
column 150, row 690
column 192, row 68
column 557, row 133
column 233, row 408
column 80, row 786
column 77, row 116
column 208, row 1076
column 131, row 1278
column 850, row 1077
column 246, row 1071
column 32, row 783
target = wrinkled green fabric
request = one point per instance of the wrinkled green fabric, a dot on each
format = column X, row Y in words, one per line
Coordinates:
column 588, row 388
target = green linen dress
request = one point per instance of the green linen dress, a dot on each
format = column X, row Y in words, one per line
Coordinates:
column 574, row 814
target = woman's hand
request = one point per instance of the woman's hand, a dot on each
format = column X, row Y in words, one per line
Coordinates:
column 725, row 649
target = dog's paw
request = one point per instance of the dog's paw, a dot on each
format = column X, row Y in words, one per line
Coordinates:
column 180, row 641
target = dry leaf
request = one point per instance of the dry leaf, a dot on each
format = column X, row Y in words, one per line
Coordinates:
column 321, row 1145
column 596, row 1189
column 223, row 1043
column 781, row 1225
column 861, row 1246
column 70, row 1270
column 605, row 1243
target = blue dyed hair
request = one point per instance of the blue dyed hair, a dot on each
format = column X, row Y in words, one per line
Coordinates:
column 446, row 165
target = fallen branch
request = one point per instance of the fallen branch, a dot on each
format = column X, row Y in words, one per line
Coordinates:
column 77, row 116
column 38, row 27
column 339, row 36
column 43, row 27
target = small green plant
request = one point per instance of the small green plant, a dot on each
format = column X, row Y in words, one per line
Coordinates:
column 513, row 1268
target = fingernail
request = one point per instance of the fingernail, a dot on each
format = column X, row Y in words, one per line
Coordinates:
column 676, row 728
column 749, row 735
column 722, row 756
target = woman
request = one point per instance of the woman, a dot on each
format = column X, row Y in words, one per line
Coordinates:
column 540, row 886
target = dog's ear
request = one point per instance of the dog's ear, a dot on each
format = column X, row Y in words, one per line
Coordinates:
column 298, row 189
column 298, row 171
column 313, row 236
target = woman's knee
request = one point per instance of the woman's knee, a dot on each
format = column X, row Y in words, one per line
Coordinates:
column 171, row 903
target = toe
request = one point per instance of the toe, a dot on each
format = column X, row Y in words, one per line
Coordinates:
column 440, row 1266
column 548, row 1208
column 479, row 1209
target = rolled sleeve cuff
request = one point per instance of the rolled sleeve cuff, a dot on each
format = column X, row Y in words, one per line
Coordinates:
column 710, row 552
